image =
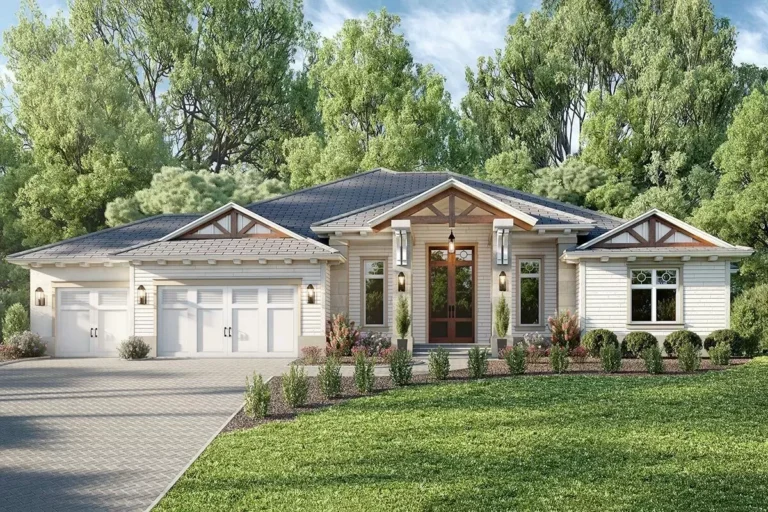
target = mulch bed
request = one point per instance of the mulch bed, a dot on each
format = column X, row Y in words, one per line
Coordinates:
column 281, row 411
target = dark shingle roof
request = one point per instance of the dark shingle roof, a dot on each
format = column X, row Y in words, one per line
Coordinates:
column 229, row 247
column 300, row 210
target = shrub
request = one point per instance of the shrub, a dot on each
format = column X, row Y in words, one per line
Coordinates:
column 311, row 355
column 565, row 329
column 533, row 354
column 295, row 386
column 26, row 344
column 720, row 354
column 688, row 357
column 133, row 348
column 341, row 335
column 400, row 368
column 477, row 363
column 439, row 365
column 387, row 354
column 728, row 336
column 364, row 377
column 402, row 317
column 515, row 358
column 373, row 343
column 257, row 397
column 652, row 358
column 502, row 317
column 579, row 355
column 678, row 338
column 8, row 352
column 610, row 358
column 749, row 317
column 329, row 378
column 595, row 340
column 636, row 342
column 16, row 321
column 558, row 359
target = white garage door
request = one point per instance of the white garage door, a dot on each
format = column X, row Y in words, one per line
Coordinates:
column 221, row 321
column 90, row 322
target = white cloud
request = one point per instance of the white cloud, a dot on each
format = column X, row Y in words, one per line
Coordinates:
column 752, row 45
column 327, row 16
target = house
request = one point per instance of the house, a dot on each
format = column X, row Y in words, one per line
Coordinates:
column 262, row 280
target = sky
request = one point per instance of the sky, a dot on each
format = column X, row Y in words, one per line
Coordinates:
column 452, row 34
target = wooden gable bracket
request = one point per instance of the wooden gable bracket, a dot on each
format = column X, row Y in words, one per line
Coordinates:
column 654, row 223
column 233, row 231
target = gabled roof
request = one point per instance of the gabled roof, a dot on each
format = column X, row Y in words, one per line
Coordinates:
column 244, row 248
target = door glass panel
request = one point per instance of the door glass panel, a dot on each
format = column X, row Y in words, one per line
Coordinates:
column 464, row 329
column 438, row 255
column 463, row 292
column 464, row 255
column 439, row 329
column 439, row 292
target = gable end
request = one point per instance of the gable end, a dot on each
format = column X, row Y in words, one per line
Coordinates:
column 653, row 231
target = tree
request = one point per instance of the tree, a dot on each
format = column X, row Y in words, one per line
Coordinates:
column 218, row 72
column 85, row 153
column 570, row 182
column 513, row 169
column 178, row 190
column 377, row 107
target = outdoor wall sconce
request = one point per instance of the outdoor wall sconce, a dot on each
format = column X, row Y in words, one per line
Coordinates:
column 503, row 281
column 401, row 282
column 141, row 295
column 310, row 294
column 451, row 244
column 39, row 297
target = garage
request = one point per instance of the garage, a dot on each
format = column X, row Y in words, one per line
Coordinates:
column 227, row 321
column 91, row 322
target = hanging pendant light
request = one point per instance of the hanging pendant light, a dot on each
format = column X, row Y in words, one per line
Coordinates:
column 451, row 244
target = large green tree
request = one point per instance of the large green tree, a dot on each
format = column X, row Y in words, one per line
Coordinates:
column 378, row 107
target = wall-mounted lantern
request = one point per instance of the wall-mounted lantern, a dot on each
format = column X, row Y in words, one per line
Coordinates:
column 401, row 282
column 401, row 247
column 39, row 297
column 141, row 295
column 310, row 294
column 451, row 243
column 502, row 281
column 502, row 246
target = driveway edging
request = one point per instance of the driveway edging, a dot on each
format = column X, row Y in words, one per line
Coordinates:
column 197, row 456
column 22, row 359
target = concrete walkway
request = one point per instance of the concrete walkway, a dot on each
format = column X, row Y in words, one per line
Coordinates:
column 105, row 434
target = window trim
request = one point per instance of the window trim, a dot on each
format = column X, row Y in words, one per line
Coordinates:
column 364, row 278
column 679, row 310
column 519, row 259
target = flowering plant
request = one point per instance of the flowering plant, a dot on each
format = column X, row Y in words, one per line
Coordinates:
column 579, row 354
column 565, row 329
column 341, row 335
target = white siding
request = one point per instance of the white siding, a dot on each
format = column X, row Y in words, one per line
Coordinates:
column 707, row 296
column 312, row 315
column 360, row 251
column 605, row 296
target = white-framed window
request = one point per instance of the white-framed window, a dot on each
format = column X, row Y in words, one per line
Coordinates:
column 654, row 295
column 374, row 292
column 529, row 291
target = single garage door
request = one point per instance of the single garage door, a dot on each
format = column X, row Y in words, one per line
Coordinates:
column 90, row 322
column 221, row 321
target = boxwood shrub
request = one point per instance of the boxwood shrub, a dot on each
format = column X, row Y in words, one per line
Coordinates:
column 595, row 340
column 636, row 342
column 729, row 336
column 676, row 339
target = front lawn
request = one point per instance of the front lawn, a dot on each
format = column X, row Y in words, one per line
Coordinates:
column 535, row 443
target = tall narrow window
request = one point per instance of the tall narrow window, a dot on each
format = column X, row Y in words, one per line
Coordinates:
column 653, row 295
column 374, row 293
column 529, row 273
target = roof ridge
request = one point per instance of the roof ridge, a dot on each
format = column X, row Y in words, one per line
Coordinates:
column 93, row 233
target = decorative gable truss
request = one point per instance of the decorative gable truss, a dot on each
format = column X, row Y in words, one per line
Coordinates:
column 230, row 221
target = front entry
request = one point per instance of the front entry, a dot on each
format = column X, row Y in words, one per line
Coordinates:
column 451, row 294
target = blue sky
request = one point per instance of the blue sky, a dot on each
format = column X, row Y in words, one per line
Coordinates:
column 451, row 34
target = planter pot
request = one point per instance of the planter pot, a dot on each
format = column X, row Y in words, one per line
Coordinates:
column 497, row 346
column 402, row 344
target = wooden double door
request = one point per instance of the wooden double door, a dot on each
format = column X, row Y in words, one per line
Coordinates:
column 451, row 294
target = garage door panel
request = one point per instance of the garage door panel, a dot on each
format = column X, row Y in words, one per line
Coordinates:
column 91, row 322
column 245, row 330
column 210, row 331
column 173, row 324
column 73, row 336
column 281, row 330
column 113, row 328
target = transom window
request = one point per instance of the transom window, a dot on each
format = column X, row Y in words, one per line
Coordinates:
column 654, row 295
column 373, row 296
column 529, row 284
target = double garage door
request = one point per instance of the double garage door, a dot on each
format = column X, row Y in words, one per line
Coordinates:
column 90, row 322
column 221, row 321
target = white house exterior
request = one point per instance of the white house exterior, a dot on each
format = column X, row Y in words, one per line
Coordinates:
column 262, row 280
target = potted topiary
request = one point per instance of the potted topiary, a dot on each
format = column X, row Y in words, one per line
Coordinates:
column 402, row 322
column 502, row 325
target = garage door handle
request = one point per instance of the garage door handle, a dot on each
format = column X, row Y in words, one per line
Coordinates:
column 91, row 332
column 97, row 332
column 230, row 332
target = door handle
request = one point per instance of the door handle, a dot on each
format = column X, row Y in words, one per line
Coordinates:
column 97, row 332
column 230, row 332
column 91, row 332
column 225, row 332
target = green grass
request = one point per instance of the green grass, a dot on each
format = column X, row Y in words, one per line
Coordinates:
column 531, row 443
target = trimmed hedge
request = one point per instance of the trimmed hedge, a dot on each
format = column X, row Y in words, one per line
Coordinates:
column 729, row 336
column 677, row 339
column 595, row 340
column 636, row 342
column 749, row 317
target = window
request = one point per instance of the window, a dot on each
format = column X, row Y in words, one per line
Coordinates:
column 529, row 273
column 373, row 296
column 654, row 295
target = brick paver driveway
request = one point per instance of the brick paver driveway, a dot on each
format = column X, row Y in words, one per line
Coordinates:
column 105, row 434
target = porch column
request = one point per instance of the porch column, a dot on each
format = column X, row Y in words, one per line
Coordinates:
column 502, row 262
column 402, row 249
column 567, row 275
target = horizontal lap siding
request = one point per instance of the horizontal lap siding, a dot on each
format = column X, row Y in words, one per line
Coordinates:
column 706, row 296
column 312, row 316
column 359, row 252
column 606, row 295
